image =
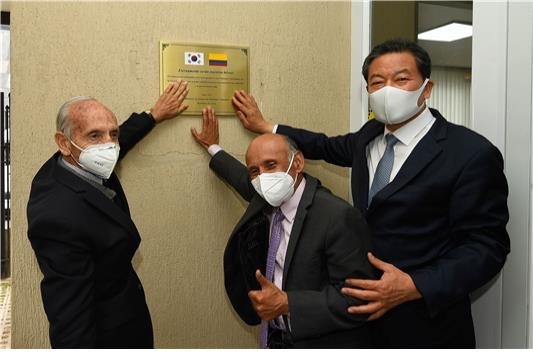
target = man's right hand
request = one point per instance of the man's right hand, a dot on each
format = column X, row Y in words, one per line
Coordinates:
column 209, row 134
column 269, row 302
column 249, row 114
column 170, row 104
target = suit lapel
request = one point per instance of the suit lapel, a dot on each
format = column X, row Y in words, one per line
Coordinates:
column 95, row 197
column 360, row 180
column 425, row 151
column 311, row 185
column 110, row 209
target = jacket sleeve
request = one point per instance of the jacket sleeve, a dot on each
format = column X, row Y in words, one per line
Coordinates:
column 346, row 242
column 480, row 242
column 336, row 150
column 67, row 287
column 133, row 130
column 233, row 172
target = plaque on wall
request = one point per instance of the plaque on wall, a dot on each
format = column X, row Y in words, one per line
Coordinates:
column 213, row 72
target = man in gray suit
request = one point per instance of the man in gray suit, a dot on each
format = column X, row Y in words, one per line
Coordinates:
column 323, row 241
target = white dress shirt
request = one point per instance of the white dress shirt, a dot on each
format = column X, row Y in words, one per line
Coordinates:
column 408, row 137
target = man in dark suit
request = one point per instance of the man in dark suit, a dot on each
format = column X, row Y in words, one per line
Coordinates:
column 323, row 241
column 80, row 228
column 439, row 226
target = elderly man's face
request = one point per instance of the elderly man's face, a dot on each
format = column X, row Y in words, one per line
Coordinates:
column 93, row 123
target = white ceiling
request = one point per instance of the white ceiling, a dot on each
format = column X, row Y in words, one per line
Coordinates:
column 432, row 14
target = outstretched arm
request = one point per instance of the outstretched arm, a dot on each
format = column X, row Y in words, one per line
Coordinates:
column 168, row 106
column 223, row 164
column 336, row 150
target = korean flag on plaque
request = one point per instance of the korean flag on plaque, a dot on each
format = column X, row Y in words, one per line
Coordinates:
column 194, row 58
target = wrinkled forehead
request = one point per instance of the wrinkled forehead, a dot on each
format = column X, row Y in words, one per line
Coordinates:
column 91, row 112
column 267, row 147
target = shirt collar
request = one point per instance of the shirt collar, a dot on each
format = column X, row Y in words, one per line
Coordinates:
column 92, row 179
column 407, row 133
column 290, row 207
column 80, row 172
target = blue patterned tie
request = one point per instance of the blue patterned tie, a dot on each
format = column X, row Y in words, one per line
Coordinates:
column 275, row 239
column 382, row 176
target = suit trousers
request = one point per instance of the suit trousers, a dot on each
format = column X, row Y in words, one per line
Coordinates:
column 279, row 339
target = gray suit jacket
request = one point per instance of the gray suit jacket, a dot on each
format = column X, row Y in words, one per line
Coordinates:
column 328, row 243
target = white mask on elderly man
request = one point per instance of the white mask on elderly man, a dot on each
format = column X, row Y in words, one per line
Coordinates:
column 99, row 159
column 392, row 105
column 276, row 187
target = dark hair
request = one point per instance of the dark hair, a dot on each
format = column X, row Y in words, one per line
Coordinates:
column 399, row 45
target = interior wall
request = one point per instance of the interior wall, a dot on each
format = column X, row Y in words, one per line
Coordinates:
column 110, row 50
column 393, row 19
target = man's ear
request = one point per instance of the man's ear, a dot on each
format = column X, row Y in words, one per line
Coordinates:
column 299, row 162
column 62, row 143
column 427, row 90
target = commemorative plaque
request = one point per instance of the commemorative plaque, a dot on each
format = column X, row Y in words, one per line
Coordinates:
column 213, row 72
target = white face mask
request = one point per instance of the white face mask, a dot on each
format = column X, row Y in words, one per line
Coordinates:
column 276, row 187
column 392, row 105
column 99, row 159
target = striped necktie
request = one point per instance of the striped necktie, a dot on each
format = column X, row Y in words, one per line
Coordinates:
column 384, row 169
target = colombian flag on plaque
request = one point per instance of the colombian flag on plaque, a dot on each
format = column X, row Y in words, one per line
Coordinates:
column 217, row 59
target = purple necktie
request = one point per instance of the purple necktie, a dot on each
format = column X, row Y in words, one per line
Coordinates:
column 275, row 239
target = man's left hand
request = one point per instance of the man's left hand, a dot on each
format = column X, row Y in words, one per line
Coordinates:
column 392, row 289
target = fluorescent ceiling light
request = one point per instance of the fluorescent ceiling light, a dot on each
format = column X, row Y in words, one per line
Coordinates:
column 447, row 33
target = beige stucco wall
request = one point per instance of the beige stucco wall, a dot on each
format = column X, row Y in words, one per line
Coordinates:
column 300, row 74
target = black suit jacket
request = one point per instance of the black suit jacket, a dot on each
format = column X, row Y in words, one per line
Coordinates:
column 442, row 220
column 328, row 243
column 84, row 243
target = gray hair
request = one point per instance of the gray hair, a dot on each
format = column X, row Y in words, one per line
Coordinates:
column 293, row 147
column 63, row 115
